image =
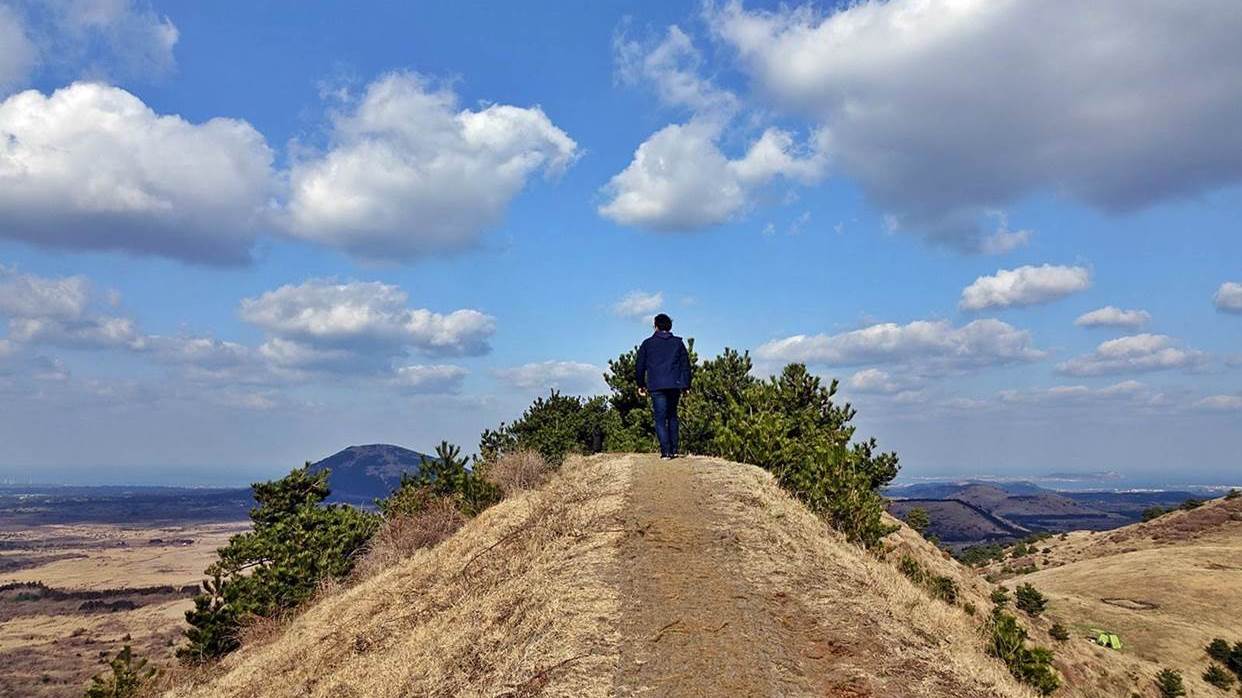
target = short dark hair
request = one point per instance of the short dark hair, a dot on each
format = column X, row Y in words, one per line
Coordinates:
column 663, row 322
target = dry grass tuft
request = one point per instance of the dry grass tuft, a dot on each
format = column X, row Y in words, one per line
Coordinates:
column 402, row 536
column 519, row 471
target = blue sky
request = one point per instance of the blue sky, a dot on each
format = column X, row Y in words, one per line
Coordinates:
column 236, row 236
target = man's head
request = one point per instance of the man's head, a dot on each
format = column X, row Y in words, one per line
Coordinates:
column 663, row 323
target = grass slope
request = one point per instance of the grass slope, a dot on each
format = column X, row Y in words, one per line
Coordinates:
column 539, row 595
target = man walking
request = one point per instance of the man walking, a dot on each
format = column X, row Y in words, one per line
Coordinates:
column 663, row 370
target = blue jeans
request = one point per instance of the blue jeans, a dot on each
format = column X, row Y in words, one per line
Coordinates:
column 664, row 406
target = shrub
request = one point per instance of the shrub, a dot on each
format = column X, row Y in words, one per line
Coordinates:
column 522, row 469
column 943, row 588
column 918, row 520
column 1000, row 597
column 1169, row 683
column 1218, row 649
column 447, row 476
column 1059, row 632
column 555, row 427
column 1234, row 662
column 1191, row 503
column 912, row 569
column 969, row 608
column 1218, row 677
column 295, row 542
column 977, row 555
column 788, row 424
column 128, row 675
column 1233, row 494
column 1020, row 549
column 1153, row 512
column 401, row 535
column 1030, row 600
column 1031, row 665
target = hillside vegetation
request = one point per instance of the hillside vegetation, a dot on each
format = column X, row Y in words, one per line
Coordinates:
column 623, row 575
column 1167, row 587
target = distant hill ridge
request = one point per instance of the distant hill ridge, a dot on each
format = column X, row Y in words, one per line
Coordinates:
column 360, row 474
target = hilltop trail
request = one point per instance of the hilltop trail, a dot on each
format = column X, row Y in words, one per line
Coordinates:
column 693, row 625
column 628, row 576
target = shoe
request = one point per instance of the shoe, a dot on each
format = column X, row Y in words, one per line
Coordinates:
column 664, row 457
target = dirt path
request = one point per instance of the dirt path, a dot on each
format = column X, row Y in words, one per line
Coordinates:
column 692, row 624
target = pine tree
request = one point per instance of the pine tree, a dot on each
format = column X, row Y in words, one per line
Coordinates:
column 1030, row 600
column 917, row 519
column 296, row 541
column 128, row 675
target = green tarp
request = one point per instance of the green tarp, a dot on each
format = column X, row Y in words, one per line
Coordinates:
column 1108, row 640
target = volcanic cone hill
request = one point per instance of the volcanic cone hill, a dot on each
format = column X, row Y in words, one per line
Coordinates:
column 626, row 575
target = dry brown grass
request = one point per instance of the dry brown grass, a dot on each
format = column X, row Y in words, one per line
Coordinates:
column 401, row 536
column 1171, row 585
column 514, row 599
column 519, row 471
column 893, row 629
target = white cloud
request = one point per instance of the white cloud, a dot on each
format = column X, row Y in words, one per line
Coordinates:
column 92, row 167
column 1112, row 316
column 1004, row 240
column 83, row 38
column 1134, row 354
column 1107, row 102
column 680, row 180
column 928, row 346
column 359, row 314
column 1228, row 297
column 873, row 380
column 18, row 54
column 1026, row 285
column 1221, row 403
column 673, row 68
column 1127, row 391
column 408, row 173
column 639, row 304
column 438, row 378
column 572, row 376
column 59, row 311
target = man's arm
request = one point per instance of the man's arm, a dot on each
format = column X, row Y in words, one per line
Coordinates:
column 683, row 360
column 640, row 367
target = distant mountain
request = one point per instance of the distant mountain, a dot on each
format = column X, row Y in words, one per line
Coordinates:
column 360, row 474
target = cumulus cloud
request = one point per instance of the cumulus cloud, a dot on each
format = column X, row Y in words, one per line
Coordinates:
column 1026, row 285
column 639, row 304
column 1106, row 102
column 328, row 313
column 60, row 311
column 1228, row 297
column 92, row 167
column 409, row 173
column 438, row 378
column 929, row 346
column 1112, row 316
column 1134, row 354
column 680, row 180
column 562, row 375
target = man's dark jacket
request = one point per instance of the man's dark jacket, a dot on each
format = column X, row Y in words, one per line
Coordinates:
column 663, row 363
